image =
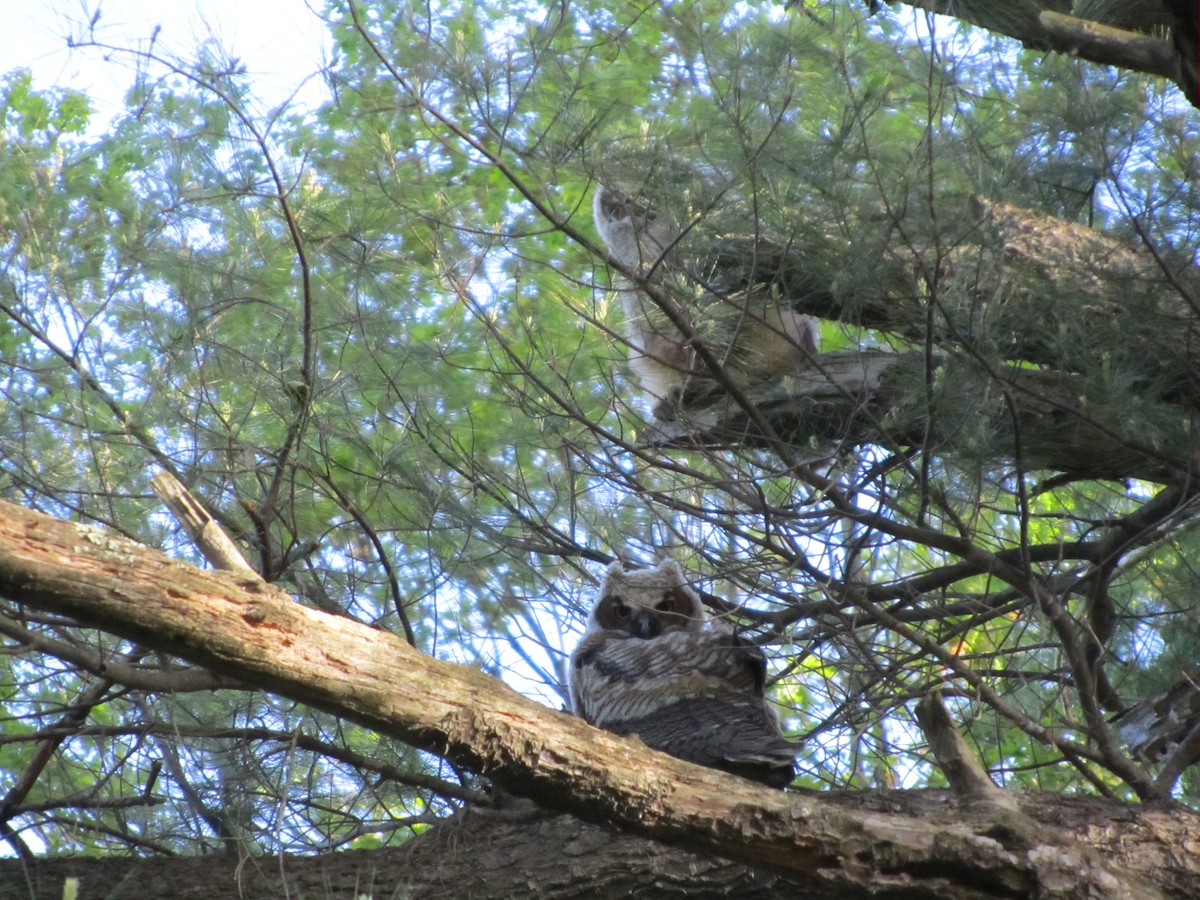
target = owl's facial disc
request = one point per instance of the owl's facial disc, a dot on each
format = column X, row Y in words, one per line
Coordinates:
column 672, row 612
column 617, row 614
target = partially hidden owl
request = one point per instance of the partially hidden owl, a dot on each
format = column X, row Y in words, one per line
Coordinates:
column 747, row 328
column 651, row 665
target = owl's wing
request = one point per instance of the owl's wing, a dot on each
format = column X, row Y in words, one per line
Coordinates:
column 616, row 677
column 697, row 695
column 735, row 734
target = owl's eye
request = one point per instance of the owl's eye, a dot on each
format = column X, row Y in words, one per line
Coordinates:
column 620, row 611
column 666, row 605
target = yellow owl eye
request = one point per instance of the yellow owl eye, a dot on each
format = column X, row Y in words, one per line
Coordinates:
column 667, row 605
column 620, row 611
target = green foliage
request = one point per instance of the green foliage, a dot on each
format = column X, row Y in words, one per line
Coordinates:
column 378, row 342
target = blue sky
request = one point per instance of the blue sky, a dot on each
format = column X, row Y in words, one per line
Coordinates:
column 280, row 41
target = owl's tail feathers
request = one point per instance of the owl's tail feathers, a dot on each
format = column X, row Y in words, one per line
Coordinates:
column 767, row 757
column 734, row 734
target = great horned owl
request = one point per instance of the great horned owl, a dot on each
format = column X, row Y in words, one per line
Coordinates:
column 739, row 322
column 651, row 665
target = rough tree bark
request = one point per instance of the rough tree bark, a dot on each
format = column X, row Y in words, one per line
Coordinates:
column 244, row 629
column 556, row 856
column 1039, row 419
column 1032, row 316
column 1007, row 281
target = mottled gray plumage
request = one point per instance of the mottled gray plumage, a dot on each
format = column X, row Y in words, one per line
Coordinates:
column 651, row 665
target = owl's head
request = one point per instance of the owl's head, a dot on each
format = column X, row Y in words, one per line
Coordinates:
column 634, row 234
column 646, row 602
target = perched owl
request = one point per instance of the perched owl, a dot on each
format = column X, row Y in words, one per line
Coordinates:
column 739, row 321
column 651, row 665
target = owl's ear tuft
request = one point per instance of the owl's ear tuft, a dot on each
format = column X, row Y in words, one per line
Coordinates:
column 672, row 567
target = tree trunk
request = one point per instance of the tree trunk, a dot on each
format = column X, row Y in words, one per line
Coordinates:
column 523, row 853
column 248, row 630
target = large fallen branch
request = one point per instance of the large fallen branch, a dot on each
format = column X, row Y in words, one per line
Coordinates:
column 245, row 629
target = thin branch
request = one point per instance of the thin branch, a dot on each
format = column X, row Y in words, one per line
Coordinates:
column 116, row 671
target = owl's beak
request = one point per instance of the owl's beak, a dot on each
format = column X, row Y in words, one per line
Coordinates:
column 645, row 624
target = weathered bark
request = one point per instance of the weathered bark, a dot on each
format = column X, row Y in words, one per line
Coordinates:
column 1040, row 419
column 474, row 855
column 205, row 533
column 488, row 855
column 1007, row 282
column 1100, row 320
column 245, row 629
